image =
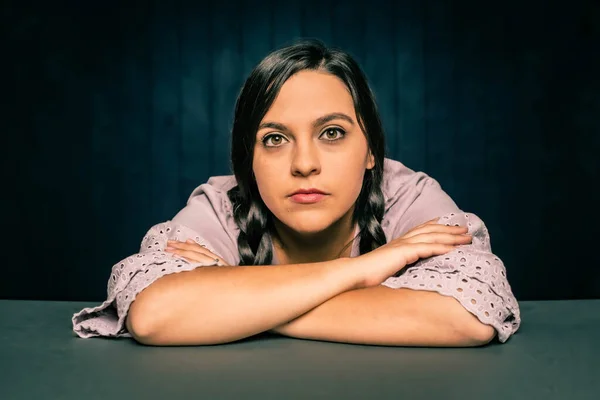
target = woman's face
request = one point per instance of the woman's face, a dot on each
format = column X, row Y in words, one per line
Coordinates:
column 310, row 138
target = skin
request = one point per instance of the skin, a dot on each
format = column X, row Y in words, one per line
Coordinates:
column 294, row 150
column 291, row 152
column 300, row 155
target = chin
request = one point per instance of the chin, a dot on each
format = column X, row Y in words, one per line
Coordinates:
column 308, row 230
column 306, row 225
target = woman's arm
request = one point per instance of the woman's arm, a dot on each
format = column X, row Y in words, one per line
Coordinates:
column 211, row 305
column 391, row 317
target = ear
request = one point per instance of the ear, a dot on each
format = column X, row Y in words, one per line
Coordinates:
column 371, row 161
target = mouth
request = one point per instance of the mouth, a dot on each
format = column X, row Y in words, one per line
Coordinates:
column 307, row 198
column 308, row 191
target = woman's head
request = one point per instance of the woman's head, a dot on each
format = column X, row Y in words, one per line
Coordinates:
column 306, row 118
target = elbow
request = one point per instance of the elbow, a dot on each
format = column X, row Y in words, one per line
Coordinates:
column 475, row 332
column 150, row 332
column 138, row 327
column 482, row 335
column 138, row 331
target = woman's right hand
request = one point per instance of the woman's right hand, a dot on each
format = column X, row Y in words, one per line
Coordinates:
column 423, row 241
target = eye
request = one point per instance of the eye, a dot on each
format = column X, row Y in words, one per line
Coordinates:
column 275, row 142
column 330, row 133
column 277, row 139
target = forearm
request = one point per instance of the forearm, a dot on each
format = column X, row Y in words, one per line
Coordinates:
column 211, row 305
column 395, row 317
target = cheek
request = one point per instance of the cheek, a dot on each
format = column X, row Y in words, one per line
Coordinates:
column 351, row 183
column 269, row 186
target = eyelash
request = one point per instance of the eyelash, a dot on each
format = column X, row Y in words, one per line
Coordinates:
column 264, row 139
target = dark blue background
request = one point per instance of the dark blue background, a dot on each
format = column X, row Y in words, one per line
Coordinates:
column 115, row 111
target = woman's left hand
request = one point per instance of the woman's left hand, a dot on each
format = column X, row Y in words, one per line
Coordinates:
column 192, row 251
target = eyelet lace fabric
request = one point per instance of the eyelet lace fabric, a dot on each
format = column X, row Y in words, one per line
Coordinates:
column 132, row 275
column 471, row 274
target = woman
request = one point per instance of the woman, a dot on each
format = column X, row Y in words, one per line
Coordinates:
column 313, row 236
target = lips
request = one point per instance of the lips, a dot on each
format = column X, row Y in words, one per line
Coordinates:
column 308, row 196
column 308, row 191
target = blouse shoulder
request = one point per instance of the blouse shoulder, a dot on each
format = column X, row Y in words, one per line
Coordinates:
column 472, row 274
column 411, row 198
column 209, row 212
column 215, row 189
column 206, row 219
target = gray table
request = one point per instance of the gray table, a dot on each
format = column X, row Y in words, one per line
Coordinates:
column 555, row 355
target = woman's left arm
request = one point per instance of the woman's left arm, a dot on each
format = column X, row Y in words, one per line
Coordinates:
column 396, row 317
column 461, row 298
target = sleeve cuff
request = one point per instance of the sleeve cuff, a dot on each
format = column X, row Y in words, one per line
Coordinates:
column 132, row 275
column 471, row 274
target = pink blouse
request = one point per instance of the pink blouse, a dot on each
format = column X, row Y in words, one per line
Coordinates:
column 471, row 273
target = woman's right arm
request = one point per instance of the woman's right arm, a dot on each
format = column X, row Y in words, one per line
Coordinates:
column 212, row 305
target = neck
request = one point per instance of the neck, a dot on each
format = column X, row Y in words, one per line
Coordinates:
column 332, row 243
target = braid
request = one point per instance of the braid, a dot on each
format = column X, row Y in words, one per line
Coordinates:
column 369, row 211
column 257, row 96
column 254, row 243
column 252, row 218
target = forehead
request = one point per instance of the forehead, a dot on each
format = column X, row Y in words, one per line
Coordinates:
column 309, row 95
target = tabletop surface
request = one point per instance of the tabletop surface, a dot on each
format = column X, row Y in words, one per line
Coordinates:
column 554, row 355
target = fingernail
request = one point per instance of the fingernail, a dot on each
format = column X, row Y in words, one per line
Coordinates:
column 190, row 241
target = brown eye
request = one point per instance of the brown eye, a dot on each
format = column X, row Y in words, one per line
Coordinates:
column 275, row 142
column 331, row 133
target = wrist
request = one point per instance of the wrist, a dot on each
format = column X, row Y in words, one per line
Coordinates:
column 350, row 272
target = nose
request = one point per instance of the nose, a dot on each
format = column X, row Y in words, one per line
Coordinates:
column 305, row 159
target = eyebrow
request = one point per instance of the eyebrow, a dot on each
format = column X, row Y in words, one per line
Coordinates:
column 318, row 122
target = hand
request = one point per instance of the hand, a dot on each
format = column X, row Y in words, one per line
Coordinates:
column 192, row 251
column 426, row 240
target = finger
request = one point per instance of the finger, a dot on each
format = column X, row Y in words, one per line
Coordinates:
column 188, row 244
column 411, row 231
column 191, row 247
column 418, row 251
column 195, row 255
column 193, row 242
column 436, row 237
column 430, row 228
column 431, row 221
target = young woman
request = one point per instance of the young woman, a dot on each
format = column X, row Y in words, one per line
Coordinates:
column 316, row 235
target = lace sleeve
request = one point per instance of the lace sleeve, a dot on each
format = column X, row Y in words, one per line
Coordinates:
column 132, row 275
column 471, row 274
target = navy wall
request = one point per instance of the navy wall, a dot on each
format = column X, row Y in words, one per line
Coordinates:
column 114, row 113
